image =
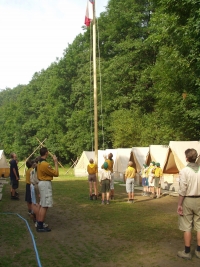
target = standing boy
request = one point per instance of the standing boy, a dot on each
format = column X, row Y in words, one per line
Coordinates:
column 105, row 178
column 45, row 174
column 92, row 170
column 150, row 172
column 129, row 177
column 14, row 176
column 110, row 162
column 157, row 179
column 28, row 189
column 145, row 183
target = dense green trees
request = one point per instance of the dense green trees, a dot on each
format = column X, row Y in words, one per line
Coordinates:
column 149, row 77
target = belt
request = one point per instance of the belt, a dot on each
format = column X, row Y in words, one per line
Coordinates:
column 193, row 196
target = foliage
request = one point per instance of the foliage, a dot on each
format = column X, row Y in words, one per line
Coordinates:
column 149, row 86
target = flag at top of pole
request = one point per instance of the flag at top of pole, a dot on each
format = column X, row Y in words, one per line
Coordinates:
column 89, row 12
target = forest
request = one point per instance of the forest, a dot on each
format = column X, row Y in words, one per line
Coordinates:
column 148, row 57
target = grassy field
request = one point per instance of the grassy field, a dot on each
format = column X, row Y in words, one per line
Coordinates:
column 85, row 233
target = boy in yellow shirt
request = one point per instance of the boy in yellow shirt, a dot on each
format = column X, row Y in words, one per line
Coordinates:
column 157, row 177
column 129, row 177
column 92, row 170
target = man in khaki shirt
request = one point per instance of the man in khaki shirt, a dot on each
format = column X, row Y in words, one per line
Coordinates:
column 189, row 203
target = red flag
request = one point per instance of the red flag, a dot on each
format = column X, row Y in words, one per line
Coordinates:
column 89, row 12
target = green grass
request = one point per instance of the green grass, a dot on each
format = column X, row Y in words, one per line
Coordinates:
column 85, row 233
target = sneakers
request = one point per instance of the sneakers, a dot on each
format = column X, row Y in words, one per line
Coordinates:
column 107, row 202
column 184, row 255
column 197, row 253
column 95, row 197
column 45, row 225
column 42, row 230
column 14, row 198
column 102, row 202
column 91, row 198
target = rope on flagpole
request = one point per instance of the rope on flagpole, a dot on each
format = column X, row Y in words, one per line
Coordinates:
column 100, row 83
column 91, row 94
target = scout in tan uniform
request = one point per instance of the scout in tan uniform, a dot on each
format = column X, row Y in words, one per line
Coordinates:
column 189, row 203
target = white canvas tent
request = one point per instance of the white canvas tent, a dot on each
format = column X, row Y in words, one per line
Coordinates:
column 175, row 162
column 159, row 154
column 139, row 156
column 121, row 163
column 4, row 166
column 80, row 170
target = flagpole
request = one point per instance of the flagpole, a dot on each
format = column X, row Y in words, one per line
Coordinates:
column 95, row 87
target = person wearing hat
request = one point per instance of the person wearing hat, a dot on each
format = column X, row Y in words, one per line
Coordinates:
column 105, row 179
column 150, row 173
column 109, row 159
column 145, row 183
column 157, row 179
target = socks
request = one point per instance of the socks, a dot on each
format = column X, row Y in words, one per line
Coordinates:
column 40, row 224
column 187, row 249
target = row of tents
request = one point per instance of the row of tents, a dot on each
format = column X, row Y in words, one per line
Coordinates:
column 171, row 158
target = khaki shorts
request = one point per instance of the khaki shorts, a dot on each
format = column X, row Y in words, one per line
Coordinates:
column 191, row 217
column 45, row 189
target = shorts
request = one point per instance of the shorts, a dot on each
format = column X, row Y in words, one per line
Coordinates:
column 14, row 183
column 92, row 178
column 105, row 186
column 45, row 189
column 151, row 179
column 33, row 197
column 145, row 182
column 191, row 217
column 157, row 182
column 28, row 193
column 112, row 181
column 130, row 185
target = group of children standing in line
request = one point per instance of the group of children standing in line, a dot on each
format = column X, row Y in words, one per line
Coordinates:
column 32, row 191
column 151, row 179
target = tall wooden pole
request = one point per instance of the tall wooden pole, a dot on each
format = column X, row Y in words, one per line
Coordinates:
column 95, row 87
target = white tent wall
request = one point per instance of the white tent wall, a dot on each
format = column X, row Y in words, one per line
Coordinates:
column 158, row 153
column 4, row 166
column 80, row 170
column 139, row 156
column 175, row 162
column 121, row 163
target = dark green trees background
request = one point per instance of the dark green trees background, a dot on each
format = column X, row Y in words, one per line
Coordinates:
column 148, row 84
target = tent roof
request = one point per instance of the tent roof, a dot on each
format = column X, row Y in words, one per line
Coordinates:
column 3, row 161
column 178, row 149
column 122, row 159
column 158, row 153
column 139, row 156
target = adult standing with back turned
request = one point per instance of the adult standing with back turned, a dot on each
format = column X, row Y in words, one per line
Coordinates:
column 189, row 203
column 45, row 174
